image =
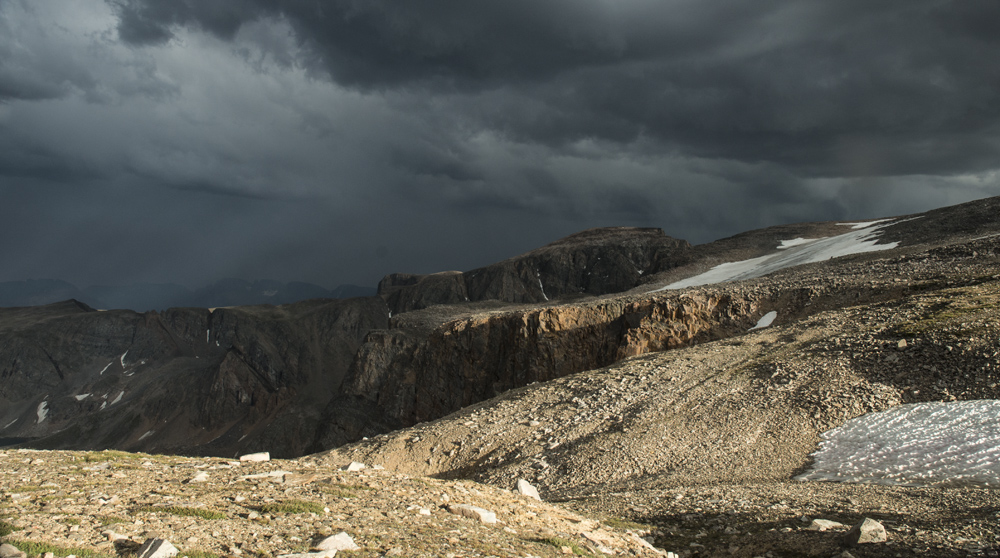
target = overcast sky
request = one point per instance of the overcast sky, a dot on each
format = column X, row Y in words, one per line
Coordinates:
column 336, row 141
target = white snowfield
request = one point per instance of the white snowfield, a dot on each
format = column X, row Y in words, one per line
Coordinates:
column 919, row 444
column 798, row 251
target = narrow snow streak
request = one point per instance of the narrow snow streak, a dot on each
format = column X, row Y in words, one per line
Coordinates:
column 82, row 396
column 919, row 444
column 146, row 435
column 539, row 277
column 9, row 424
column 42, row 411
column 863, row 225
column 795, row 253
column 106, row 367
column 123, row 358
column 119, row 398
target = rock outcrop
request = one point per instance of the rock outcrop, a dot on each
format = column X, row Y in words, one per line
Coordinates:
column 592, row 262
column 185, row 380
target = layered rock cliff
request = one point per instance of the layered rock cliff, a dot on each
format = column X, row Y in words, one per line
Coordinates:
column 592, row 262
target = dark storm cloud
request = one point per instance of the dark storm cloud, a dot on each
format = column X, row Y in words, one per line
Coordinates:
column 832, row 89
column 341, row 140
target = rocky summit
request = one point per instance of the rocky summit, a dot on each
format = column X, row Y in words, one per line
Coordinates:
column 524, row 409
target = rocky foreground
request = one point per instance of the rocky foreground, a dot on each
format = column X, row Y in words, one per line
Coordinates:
column 109, row 503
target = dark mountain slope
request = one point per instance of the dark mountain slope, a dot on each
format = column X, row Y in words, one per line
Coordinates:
column 186, row 380
column 592, row 262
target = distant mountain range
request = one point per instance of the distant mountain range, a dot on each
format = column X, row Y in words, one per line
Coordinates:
column 142, row 297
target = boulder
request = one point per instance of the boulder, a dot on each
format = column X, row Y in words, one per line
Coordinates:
column 340, row 541
column 867, row 531
column 157, row 548
column 525, row 489
column 483, row 515
column 824, row 525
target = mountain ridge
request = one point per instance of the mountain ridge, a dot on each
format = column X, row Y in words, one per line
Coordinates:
column 365, row 366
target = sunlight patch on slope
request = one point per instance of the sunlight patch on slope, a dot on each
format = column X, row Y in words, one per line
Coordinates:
column 794, row 252
column 918, row 444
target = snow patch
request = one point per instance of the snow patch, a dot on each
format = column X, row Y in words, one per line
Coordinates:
column 11, row 423
column 206, row 335
column 146, row 435
column 817, row 250
column 864, row 225
column 918, row 444
column 795, row 242
column 119, row 398
column 123, row 358
column 42, row 411
column 103, row 406
column 82, row 396
column 765, row 320
column 106, row 368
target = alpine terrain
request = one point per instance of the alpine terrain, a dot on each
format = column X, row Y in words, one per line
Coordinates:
column 661, row 397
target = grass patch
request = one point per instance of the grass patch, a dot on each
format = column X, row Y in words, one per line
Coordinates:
column 337, row 492
column 198, row 554
column 185, row 512
column 559, row 542
column 109, row 519
column 71, row 521
column 293, row 506
column 6, row 528
column 108, row 455
column 27, row 488
column 37, row 549
column 342, row 490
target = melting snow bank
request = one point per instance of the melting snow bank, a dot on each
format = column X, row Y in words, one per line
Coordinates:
column 765, row 320
column 918, row 444
column 794, row 252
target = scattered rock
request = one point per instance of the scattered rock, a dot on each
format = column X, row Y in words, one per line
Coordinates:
column 484, row 516
column 256, row 457
column 200, row 477
column 340, row 541
column 824, row 525
column 112, row 536
column 320, row 554
column 525, row 488
column 157, row 548
column 867, row 531
column 354, row 466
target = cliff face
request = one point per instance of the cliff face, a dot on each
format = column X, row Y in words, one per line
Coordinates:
column 184, row 380
column 593, row 262
column 401, row 377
